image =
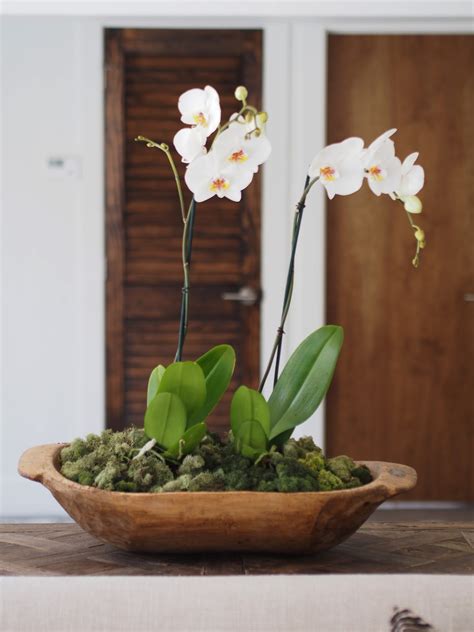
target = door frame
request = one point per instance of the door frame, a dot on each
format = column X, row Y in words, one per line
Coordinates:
column 294, row 49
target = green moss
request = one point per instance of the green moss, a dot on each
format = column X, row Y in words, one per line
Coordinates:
column 180, row 484
column 342, row 467
column 109, row 475
column 362, row 472
column 329, row 481
column 207, row 482
column 293, row 476
column 314, row 460
column 192, row 464
column 107, row 461
column 354, row 482
column 149, row 471
column 125, row 486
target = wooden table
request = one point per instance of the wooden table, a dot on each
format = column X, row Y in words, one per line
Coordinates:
column 65, row 549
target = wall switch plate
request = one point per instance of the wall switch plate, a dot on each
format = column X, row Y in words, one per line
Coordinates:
column 64, row 167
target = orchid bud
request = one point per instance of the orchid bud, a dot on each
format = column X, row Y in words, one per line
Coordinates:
column 262, row 118
column 412, row 204
column 420, row 237
column 241, row 93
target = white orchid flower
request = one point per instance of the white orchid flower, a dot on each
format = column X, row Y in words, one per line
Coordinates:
column 189, row 143
column 383, row 169
column 201, row 108
column 240, row 152
column 413, row 177
column 210, row 175
column 339, row 167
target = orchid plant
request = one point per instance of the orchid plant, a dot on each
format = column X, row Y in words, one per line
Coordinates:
column 222, row 160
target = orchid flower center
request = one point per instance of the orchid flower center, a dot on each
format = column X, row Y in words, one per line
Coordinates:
column 238, row 156
column 377, row 173
column 328, row 174
column 219, row 184
column 200, row 119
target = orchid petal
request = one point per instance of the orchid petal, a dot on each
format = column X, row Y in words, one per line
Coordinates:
column 201, row 108
column 374, row 145
column 209, row 175
column 412, row 182
column 189, row 143
column 232, row 147
column 339, row 167
column 409, row 162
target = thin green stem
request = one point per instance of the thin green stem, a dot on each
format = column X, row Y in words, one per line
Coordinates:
column 186, row 250
column 276, row 349
column 166, row 150
column 418, row 233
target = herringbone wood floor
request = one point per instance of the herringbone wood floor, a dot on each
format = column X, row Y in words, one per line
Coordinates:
column 65, row 549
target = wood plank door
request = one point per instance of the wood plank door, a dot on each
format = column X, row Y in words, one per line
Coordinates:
column 147, row 70
column 404, row 386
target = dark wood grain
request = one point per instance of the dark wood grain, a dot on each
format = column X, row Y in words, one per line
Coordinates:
column 149, row 69
column 65, row 549
column 404, row 383
column 114, row 230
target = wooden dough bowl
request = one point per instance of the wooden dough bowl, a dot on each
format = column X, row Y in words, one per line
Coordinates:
column 302, row 522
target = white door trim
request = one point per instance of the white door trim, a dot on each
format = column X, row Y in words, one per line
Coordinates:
column 236, row 9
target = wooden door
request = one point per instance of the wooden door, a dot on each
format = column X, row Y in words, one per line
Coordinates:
column 146, row 72
column 405, row 382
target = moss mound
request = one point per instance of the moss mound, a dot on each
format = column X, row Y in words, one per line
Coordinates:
column 107, row 461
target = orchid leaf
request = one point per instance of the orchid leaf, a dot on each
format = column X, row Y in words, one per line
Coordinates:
column 217, row 366
column 186, row 380
column 249, row 404
column 154, row 382
column 305, row 379
column 165, row 419
column 251, row 439
column 186, row 444
column 282, row 438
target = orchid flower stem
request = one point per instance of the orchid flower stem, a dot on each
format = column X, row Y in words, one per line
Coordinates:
column 186, row 251
column 276, row 349
column 419, row 236
column 166, row 150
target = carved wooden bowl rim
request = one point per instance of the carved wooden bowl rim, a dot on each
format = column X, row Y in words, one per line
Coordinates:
column 40, row 464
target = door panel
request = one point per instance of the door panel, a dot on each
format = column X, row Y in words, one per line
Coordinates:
column 404, row 386
column 147, row 70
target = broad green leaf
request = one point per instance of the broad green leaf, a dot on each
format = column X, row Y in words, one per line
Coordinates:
column 165, row 419
column 186, row 380
column 249, row 404
column 282, row 438
column 190, row 440
column 218, row 366
column 305, row 379
column 153, row 382
column 251, row 439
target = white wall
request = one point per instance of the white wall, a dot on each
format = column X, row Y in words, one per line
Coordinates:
column 52, row 248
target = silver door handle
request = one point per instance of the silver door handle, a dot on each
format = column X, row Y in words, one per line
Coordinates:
column 469, row 297
column 246, row 295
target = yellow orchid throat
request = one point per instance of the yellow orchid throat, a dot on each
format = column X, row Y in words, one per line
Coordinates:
column 219, row 184
column 328, row 174
column 200, row 119
column 376, row 173
column 238, row 156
